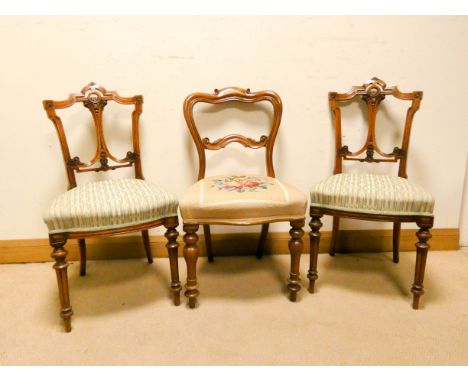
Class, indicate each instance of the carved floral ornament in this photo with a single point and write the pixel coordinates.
(94, 97)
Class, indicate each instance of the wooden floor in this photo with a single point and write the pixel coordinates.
(360, 315)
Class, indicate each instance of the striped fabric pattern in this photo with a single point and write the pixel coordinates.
(109, 204)
(372, 193)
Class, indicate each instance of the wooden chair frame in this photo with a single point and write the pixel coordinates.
(95, 98)
(373, 92)
(191, 250)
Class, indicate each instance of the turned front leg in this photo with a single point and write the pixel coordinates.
(422, 247)
(172, 248)
(296, 245)
(191, 256)
(60, 256)
(315, 225)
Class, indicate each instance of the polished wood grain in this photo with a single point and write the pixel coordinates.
(422, 247)
(372, 92)
(191, 253)
(59, 254)
(82, 245)
(296, 246)
(262, 241)
(146, 243)
(208, 242)
(172, 249)
(95, 98)
(315, 225)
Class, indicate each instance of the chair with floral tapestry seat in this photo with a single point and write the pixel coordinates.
(373, 197)
(106, 207)
(239, 199)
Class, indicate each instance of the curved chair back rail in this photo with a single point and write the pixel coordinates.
(95, 98)
(373, 92)
(231, 94)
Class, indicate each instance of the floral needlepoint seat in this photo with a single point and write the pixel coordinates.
(242, 199)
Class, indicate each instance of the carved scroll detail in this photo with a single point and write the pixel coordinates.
(244, 141)
(344, 151)
(75, 163)
(394, 156)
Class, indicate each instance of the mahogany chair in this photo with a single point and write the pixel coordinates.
(106, 207)
(239, 199)
(372, 196)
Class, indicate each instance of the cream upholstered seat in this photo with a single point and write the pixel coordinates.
(108, 204)
(372, 193)
(241, 199)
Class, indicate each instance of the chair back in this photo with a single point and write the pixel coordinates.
(95, 98)
(373, 92)
(231, 94)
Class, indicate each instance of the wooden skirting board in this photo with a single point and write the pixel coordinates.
(244, 244)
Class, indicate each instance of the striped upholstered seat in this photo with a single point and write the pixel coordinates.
(109, 204)
(372, 193)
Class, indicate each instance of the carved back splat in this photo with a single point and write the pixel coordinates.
(227, 95)
(95, 98)
(373, 92)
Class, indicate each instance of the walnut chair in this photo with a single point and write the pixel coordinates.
(372, 196)
(106, 207)
(239, 199)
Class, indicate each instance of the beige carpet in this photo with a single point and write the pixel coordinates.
(123, 315)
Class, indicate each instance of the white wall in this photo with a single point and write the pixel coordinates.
(166, 58)
(464, 211)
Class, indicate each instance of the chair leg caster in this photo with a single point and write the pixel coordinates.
(293, 296)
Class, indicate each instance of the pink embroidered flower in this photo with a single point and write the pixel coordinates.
(241, 183)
